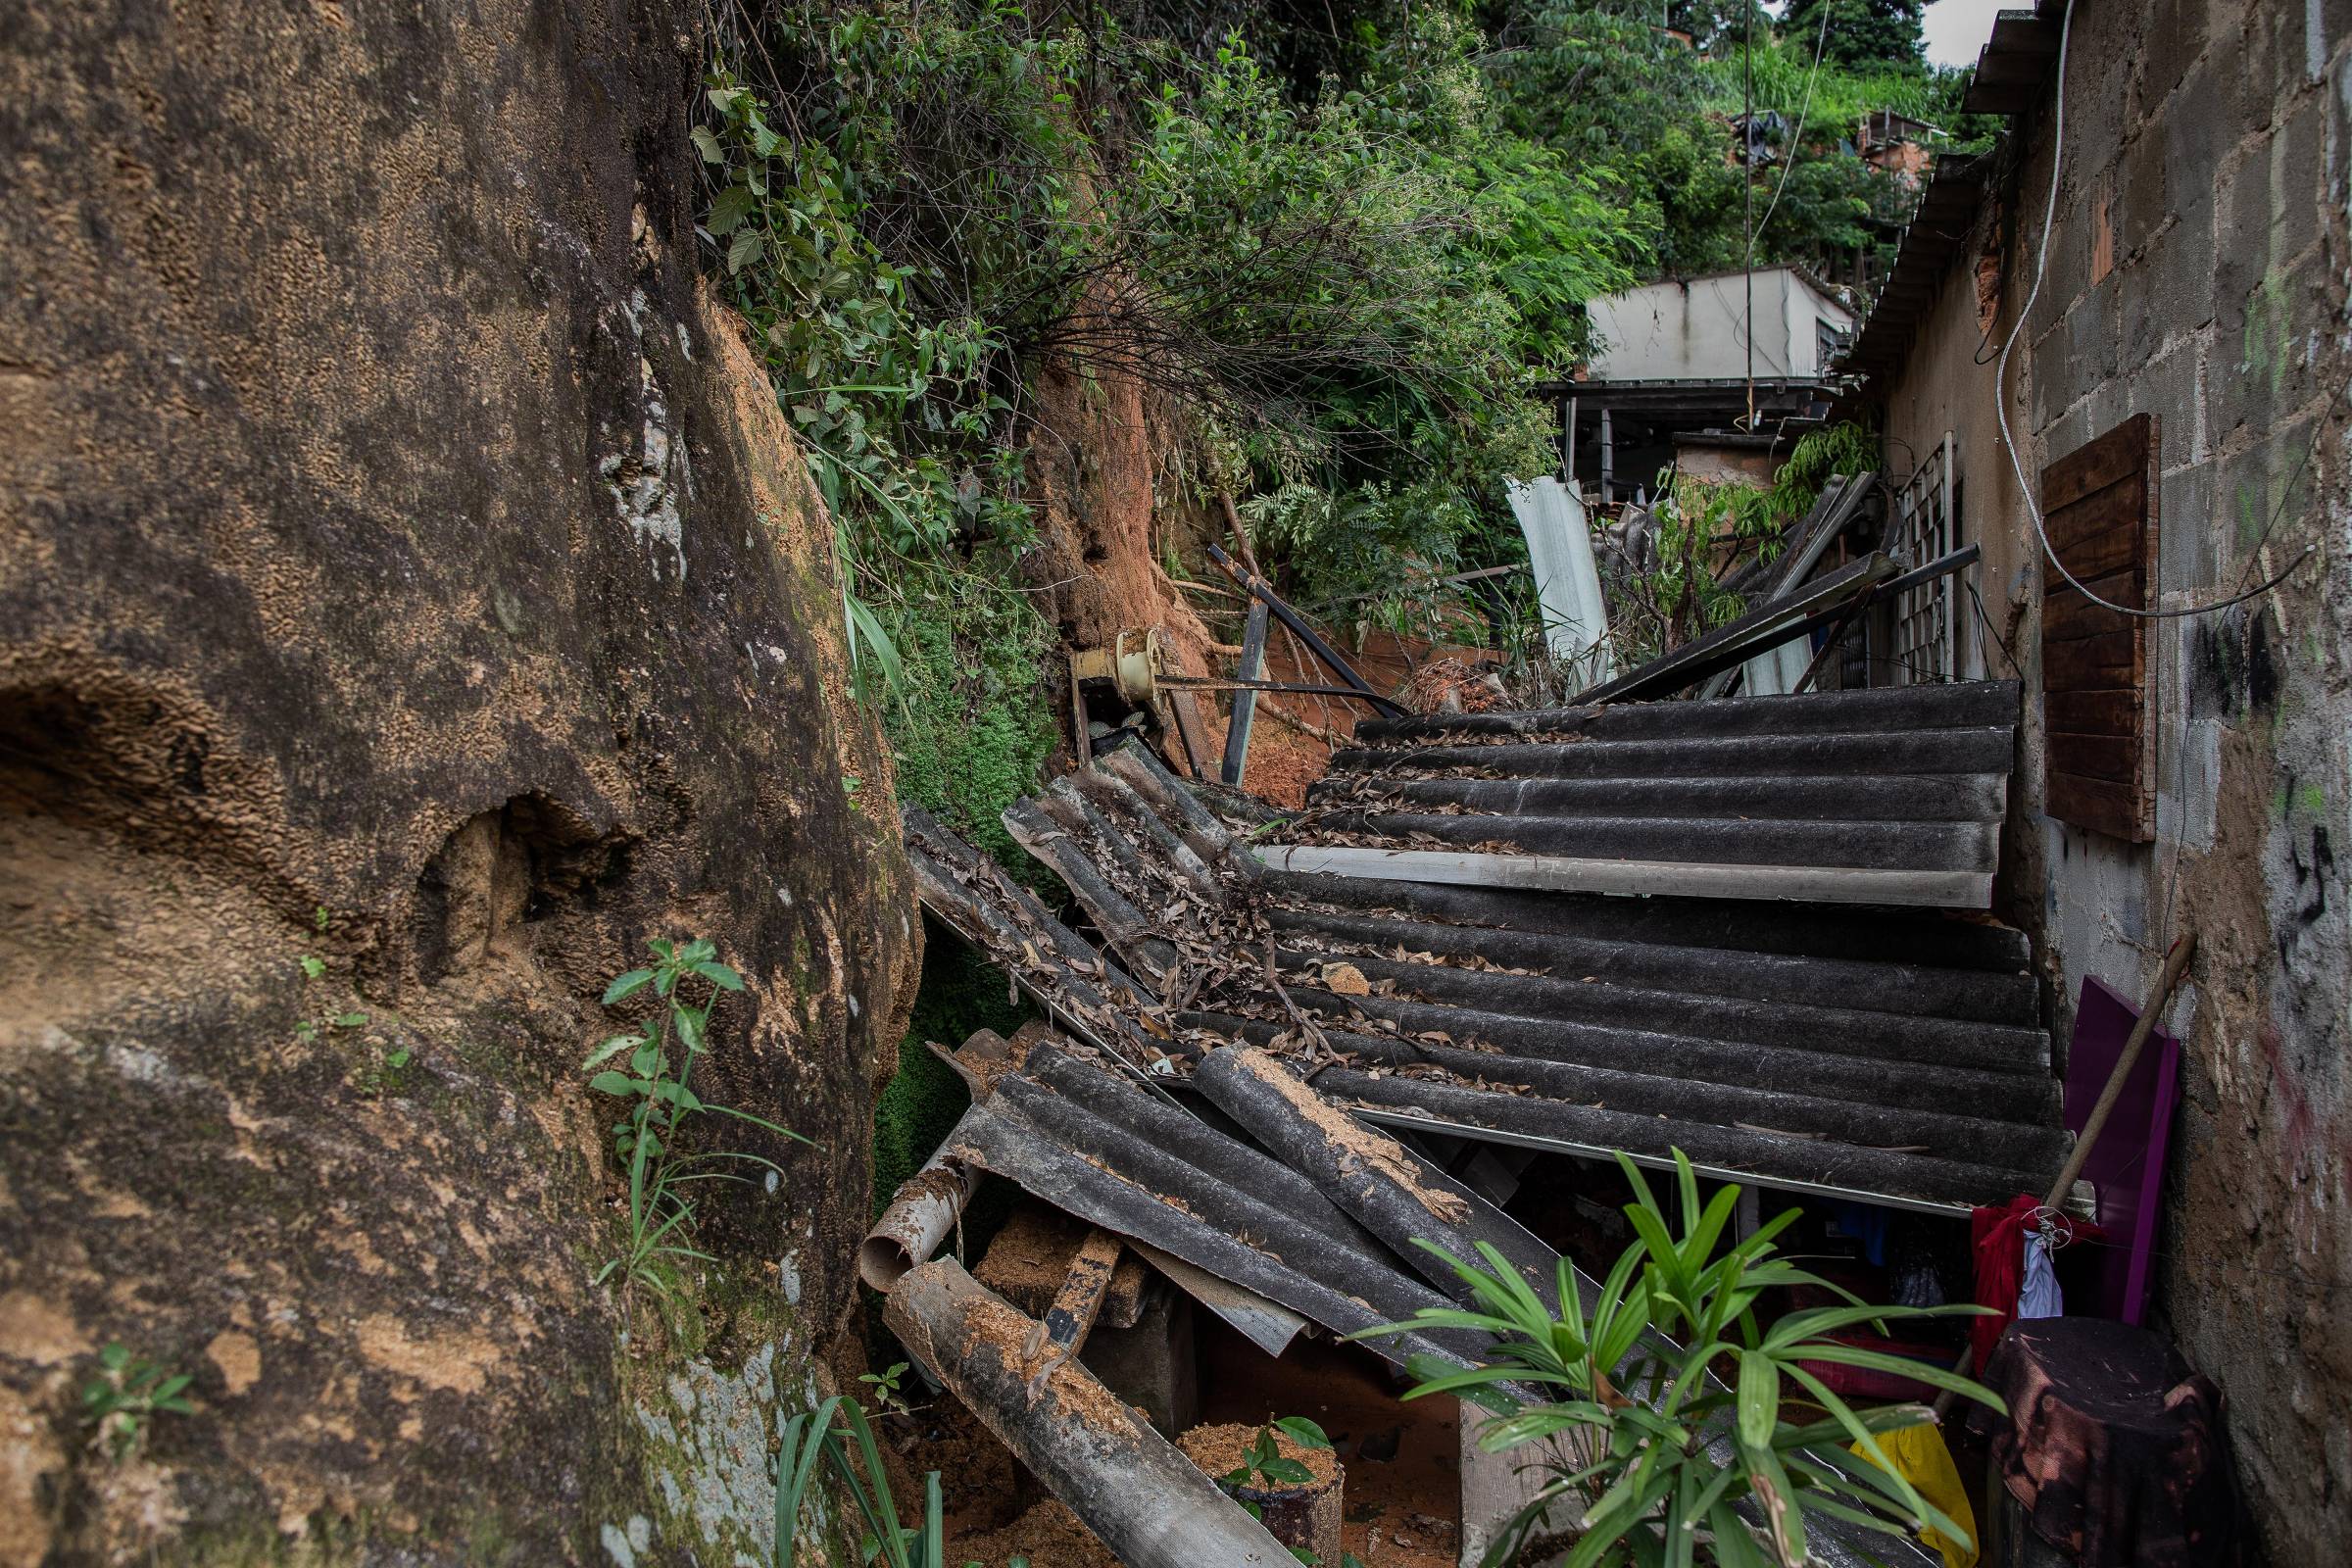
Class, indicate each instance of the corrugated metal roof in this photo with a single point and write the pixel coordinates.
(1321, 1215)
(1887, 796)
(1888, 1054)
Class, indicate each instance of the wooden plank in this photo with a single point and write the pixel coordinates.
(2119, 548)
(2116, 810)
(2100, 504)
(2098, 463)
(1244, 701)
(2112, 758)
(2122, 504)
(1189, 733)
(2109, 661)
(1956, 890)
(2081, 713)
(2066, 614)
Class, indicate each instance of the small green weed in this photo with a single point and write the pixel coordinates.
(128, 1393)
(659, 1060)
(1263, 1465)
(809, 1438)
(386, 1073)
(887, 1393)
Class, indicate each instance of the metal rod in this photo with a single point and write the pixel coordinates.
(1245, 705)
(1257, 586)
(1213, 683)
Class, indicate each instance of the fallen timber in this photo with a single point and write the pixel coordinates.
(1141, 1498)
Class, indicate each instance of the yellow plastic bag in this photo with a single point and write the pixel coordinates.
(1921, 1458)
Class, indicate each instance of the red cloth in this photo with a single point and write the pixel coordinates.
(1997, 1237)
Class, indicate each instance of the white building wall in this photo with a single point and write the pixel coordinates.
(1675, 331)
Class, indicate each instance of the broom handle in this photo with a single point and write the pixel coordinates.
(2176, 961)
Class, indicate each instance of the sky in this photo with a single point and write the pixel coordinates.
(1957, 28)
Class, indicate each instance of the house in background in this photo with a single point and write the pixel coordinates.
(1896, 144)
(2174, 404)
(1675, 363)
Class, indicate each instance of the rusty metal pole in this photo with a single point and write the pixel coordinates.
(1145, 1501)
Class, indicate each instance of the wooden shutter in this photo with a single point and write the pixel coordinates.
(2099, 502)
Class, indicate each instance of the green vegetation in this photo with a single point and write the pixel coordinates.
(1263, 1464)
(1698, 525)
(120, 1402)
(653, 1085)
(959, 991)
(813, 1438)
(1335, 249)
(1336, 252)
(1639, 1469)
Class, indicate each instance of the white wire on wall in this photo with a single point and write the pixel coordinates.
(2001, 384)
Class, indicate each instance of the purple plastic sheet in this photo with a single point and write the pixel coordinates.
(2128, 1166)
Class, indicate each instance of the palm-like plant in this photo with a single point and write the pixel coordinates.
(1667, 1462)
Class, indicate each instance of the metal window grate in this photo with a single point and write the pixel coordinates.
(1926, 643)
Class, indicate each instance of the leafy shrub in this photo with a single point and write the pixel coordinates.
(1624, 1395)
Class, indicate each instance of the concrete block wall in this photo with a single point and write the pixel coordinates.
(2198, 270)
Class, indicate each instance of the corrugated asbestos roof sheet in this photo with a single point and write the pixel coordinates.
(1298, 1203)
(1885, 1055)
(1890, 796)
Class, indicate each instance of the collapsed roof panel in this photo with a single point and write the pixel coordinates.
(1067, 1129)
(1321, 1220)
(1895, 1056)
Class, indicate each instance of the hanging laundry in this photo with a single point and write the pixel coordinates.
(2039, 1295)
(1996, 1237)
(2013, 1244)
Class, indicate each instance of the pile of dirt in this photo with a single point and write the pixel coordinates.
(1049, 1535)
(1031, 1257)
(1219, 1450)
(1403, 1499)
(1450, 686)
(982, 1484)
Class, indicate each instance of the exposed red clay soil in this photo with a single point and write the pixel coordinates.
(1403, 1511)
(1285, 757)
(1218, 1449)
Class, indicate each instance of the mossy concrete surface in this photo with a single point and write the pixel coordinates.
(403, 566)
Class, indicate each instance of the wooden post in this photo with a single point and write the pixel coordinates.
(2175, 963)
(1568, 443)
(1244, 701)
(1188, 731)
(1257, 586)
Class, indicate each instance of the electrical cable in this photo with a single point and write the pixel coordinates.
(2000, 381)
(1820, 40)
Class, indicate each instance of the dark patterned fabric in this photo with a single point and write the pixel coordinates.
(2113, 1444)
